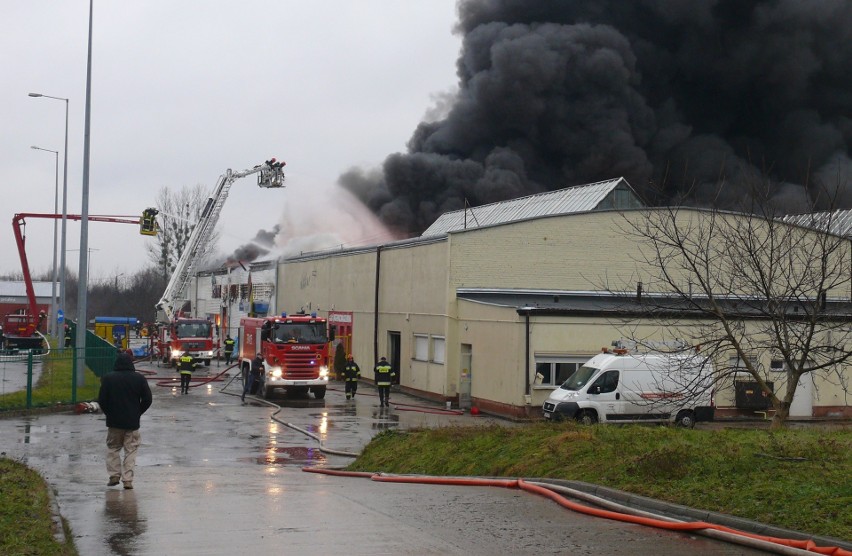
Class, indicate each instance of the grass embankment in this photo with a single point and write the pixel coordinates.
(26, 526)
(797, 479)
(25, 515)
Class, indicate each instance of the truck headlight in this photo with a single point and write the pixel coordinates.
(323, 371)
(275, 372)
(176, 353)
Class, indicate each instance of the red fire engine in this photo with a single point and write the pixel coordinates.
(186, 335)
(295, 351)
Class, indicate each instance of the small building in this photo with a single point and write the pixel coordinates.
(13, 297)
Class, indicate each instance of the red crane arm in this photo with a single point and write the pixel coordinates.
(18, 222)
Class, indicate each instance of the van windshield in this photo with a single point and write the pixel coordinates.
(580, 378)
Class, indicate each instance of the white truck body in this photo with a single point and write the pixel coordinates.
(617, 387)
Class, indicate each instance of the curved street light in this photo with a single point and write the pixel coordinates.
(52, 325)
(64, 205)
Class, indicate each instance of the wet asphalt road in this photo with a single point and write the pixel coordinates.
(216, 477)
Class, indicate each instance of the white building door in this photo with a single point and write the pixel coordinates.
(803, 401)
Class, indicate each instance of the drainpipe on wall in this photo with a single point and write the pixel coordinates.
(526, 312)
(376, 306)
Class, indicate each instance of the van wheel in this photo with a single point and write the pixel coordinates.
(587, 417)
(685, 419)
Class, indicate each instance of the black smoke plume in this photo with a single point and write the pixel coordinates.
(698, 100)
(262, 244)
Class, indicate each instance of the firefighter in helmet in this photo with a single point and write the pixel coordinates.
(186, 365)
(384, 374)
(229, 349)
(351, 374)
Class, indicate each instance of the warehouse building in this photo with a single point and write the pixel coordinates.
(495, 306)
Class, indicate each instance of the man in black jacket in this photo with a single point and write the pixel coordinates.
(124, 396)
(255, 375)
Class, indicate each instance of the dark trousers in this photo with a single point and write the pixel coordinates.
(249, 383)
(228, 355)
(185, 379)
(351, 387)
(384, 395)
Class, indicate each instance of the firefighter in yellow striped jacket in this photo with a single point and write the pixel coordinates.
(351, 374)
(384, 375)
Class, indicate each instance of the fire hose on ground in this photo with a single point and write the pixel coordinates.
(609, 510)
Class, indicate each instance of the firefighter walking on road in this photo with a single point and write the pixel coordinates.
(384, 375)
(229, 349)
(186, 364)
(351, 374)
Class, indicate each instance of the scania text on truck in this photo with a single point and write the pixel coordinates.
(186, 335)
(295, 350)
(619, 387)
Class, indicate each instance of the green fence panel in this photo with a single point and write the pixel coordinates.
(100, 354)
(47, 379)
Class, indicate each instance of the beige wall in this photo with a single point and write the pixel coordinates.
(547, 253)
(413, 284)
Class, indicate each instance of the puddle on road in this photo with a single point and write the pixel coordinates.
(296, 455)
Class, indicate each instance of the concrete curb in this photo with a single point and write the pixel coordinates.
(60, 535)
(686, 513)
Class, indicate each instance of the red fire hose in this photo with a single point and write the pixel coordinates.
(774, 544)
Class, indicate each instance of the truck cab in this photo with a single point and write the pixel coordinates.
(295, 350)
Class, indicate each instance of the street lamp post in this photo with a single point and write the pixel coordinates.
(51, 321)
(64, 208)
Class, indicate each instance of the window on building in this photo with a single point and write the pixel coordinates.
(421, 347)
(737, 364)
(556, 370)
(438, 349)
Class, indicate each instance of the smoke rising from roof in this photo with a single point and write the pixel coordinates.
(316, 216)
(675, 96)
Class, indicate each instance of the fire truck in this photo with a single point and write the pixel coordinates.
(179, 332)
(295, 350)
(186, 335)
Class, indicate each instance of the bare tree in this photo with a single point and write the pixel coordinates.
(748, 286)
(179, 212)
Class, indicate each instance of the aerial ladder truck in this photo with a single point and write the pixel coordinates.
(179, 333)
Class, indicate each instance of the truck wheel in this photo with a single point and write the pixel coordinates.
(244, 372)
(587, 417)
(685, 419)
(206, 362)
(319, 392)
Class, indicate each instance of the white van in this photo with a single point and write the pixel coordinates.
(617, 387)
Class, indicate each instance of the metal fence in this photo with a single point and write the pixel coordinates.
(38, 380)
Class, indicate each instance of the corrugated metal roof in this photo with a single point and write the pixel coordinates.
(19, 289)
(837, 222)
(581, 198)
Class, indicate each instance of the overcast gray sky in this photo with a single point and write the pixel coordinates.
(182, 91)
